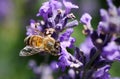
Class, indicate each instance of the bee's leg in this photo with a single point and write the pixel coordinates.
(57, 46)
(47, 50)
(56, 50)
(55, 53)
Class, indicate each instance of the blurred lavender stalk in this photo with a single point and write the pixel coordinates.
(42, 72)
(10, 14)
(89, 6)
(6, 9)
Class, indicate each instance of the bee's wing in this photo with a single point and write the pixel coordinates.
(28, 51)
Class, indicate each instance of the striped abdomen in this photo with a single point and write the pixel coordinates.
(34, 40)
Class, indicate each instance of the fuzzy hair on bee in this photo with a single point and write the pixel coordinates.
(37, 44)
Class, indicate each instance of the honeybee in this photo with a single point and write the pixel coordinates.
(41, 43)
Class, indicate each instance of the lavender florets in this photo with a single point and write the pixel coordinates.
(94, 57)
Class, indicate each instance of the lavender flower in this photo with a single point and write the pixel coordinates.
(66, 59)
(86, 46)
(60, 20)
(33, 28)
(110, 19)
(103, 49)
(86, 20)
(69, 6)
(54, 66)
(42, 72)
(55, 17)
(111, 51)
(6, 8)
(48, 8)
(71, 73)
(93, 59)
(102, 73)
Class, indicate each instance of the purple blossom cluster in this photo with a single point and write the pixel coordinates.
(57, 15)
(102, 46)
(93, 58)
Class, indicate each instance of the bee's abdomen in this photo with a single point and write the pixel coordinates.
(34, 41)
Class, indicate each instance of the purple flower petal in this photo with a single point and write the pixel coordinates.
(54, 66)
(31, 30)
(86, 19)
(72, 24)
(48, 8)
(55, 4)
(86, 47)
(66, 35)
(67, 60)
(103, 26)
(119, 11)
(112, 8)
(102, 73)
(71, 73)
(69, 6)
(104, 15)
(32, 64)
(111, 52)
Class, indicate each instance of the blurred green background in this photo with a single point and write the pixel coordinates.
(15, 16)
